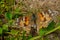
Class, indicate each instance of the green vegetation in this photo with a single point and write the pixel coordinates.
(9, 12)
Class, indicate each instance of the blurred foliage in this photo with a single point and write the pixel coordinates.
(1, 31)
(12, 10)
(14, 32)
(45, 30)
(8, 15)
(5, 27)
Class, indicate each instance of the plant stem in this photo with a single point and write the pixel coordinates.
(52, 30)
(46, 33)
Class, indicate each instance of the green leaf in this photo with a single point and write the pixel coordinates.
(11, 22)
(8, 15)
(12, 38)
(24, 37)
(2, 5)
(42, 31)
(30, 36)
(51, 26)
(45, 30)
(1, 30)
(5, 27)
(58, 24)
(17, 11)
(18, 37)
(17, 15)
(14, 32)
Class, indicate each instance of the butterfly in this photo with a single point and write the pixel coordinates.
(43, 20)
